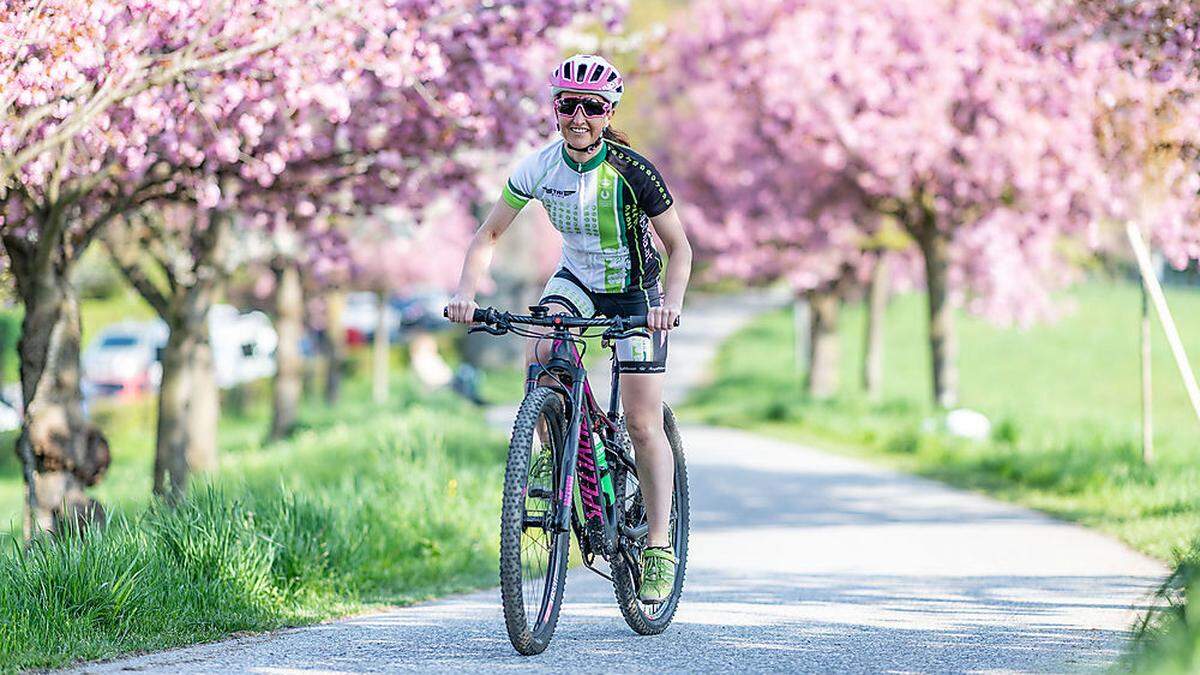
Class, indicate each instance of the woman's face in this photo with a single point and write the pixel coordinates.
(577, 129)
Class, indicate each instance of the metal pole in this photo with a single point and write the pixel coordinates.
(1147, 390)
(1164, 315)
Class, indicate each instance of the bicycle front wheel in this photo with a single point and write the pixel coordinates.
(533, 557)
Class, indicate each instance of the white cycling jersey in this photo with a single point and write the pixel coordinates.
(602, 208)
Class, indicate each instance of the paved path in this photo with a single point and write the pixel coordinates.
(800, 561)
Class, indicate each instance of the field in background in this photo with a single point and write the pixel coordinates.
(1064, 400)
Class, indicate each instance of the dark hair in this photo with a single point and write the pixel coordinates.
(617, 136)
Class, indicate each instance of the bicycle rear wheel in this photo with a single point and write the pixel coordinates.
(644, 618)
(533, 558)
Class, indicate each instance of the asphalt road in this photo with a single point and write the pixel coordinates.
(800, 561)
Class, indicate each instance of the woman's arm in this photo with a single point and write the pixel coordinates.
(679, 269)
(479, 256)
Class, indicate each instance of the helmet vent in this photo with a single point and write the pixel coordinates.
(596, 73)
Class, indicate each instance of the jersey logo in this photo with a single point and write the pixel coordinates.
(559, 193)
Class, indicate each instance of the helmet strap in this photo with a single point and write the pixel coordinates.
(589, 148)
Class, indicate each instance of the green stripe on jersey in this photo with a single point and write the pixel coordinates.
(608, 184)
(512, 198)
(623, 229)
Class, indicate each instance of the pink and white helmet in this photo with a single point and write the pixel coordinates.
(588, 74)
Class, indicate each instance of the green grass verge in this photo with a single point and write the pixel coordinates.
(365, 505)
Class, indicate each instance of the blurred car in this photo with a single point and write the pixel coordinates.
(422, 310)
(123, 360)
(361, 317)
(10, 417)
(243, 345)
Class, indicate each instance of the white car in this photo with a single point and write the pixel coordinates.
(243, 345)
(123, 360)
(10, 418)
(361, 317)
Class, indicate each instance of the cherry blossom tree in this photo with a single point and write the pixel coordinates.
(284, 112)
(79, 89)
(1150, 138)
(935, 114)
(758, 209)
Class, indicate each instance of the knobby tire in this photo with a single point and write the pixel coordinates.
(531, 637)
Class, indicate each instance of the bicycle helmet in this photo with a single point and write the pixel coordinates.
(588, 74)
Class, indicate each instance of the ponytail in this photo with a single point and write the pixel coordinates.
(616, 136)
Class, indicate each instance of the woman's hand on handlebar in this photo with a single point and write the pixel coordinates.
(461, 309)
(663, 318)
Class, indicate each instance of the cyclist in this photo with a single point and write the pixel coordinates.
(604, 198)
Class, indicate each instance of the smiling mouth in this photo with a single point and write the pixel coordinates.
(578, 130)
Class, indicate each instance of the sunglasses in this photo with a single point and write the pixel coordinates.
(591, 107)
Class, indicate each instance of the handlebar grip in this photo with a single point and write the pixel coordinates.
(479, 316)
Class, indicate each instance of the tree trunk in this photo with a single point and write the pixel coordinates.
(801, 333)
(381, 352)
(334, 345)
(188, 400)
(174, 431)
(877, 299)
(823, 343)
(943, 342)
(289, 364)
(61, 452)
(188, 405)
(206, 407)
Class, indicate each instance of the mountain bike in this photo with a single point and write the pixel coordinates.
(571, 469)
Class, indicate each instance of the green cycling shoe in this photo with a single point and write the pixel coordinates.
(541, 478)
(658, 575)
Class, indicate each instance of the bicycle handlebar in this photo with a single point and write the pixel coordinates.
(491, 317)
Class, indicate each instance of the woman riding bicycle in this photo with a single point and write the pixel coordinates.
(604, 197)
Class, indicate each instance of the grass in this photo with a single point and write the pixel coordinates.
(1064, 399)
(364, 505)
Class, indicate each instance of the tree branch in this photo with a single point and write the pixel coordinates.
(123, 250)
(160, 71)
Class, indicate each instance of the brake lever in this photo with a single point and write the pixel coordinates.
(484, 328)
(629, 332)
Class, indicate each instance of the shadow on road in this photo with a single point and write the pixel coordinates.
(805, 623)
(738, 497)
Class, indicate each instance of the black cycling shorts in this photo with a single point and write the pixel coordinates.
(635, 354)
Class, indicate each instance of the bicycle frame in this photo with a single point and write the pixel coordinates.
(580, 462)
